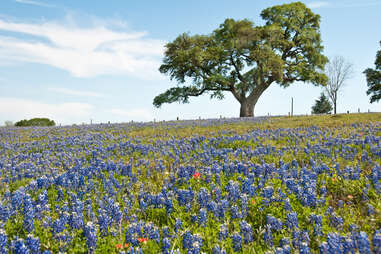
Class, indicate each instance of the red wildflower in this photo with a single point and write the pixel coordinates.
(196, 175)
(119, 246)
(142, 240)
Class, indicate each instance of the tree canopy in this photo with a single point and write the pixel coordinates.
(322, 105)
(35, 122)
(373, 78)
(245, 59)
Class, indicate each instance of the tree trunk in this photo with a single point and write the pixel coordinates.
(334, 102)
(247, 109)
(248, 104)
(334, 107)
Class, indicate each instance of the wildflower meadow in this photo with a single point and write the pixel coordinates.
(249, 185)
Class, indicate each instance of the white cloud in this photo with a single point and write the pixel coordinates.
(16, 109)
(72, 92)
(140, 114)
(84, 52)
(315, 5)
(31, 2)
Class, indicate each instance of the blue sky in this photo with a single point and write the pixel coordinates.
(73, 61)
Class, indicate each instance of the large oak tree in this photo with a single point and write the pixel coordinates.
(245, 59)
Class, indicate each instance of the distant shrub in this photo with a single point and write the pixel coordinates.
(35, 122)
(322, 105)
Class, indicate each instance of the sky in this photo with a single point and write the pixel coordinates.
(97, 61)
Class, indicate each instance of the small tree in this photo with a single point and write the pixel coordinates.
(337, 71)
(373, 78)
(8, 123)
(322, 105)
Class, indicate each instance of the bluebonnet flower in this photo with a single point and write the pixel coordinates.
(104, 222)
(134, 250)
(237, 242)
(203, 217)
(292, 220)
(216, 249)
(348, 246)
(244, 205)
(3, 241)
(43, 198)
(16, 199)
(268, 236)
(335, 244)
(4, 212)
(318, 230)
(274, 223)
(246, 231)
(296, 239)
(59, 224)
(142, 204)
(279, 250)
(221, 208)
(287, 205)
(28, 213)
(130, 235)
(304, 249)
(233, 190)
(376, 242)
(204, 197)
(317, 219)
(323, 248)
(353, 228)
(304, 236)
(166, 233)
(76, 221)
(340, 203)
(234, 212)
(283, 242)
(19, 247)
(223, 233)
(196, 248)
(91, 237)
(337, 221)
(286, 249)
(323, 191)
(370, 209)
(33, 244)
(178, 225)
(155, 234)
(268, 192)
(363, 243)
(194, 218)
(365, 193)
(166, 246)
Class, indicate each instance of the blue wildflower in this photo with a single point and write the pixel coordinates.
(237, 242)
(91, 237)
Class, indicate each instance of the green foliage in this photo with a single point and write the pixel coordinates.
(373, 78)
(322, 105)
(245, 59)
(35, 122)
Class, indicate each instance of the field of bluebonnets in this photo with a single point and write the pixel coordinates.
(277, 185)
